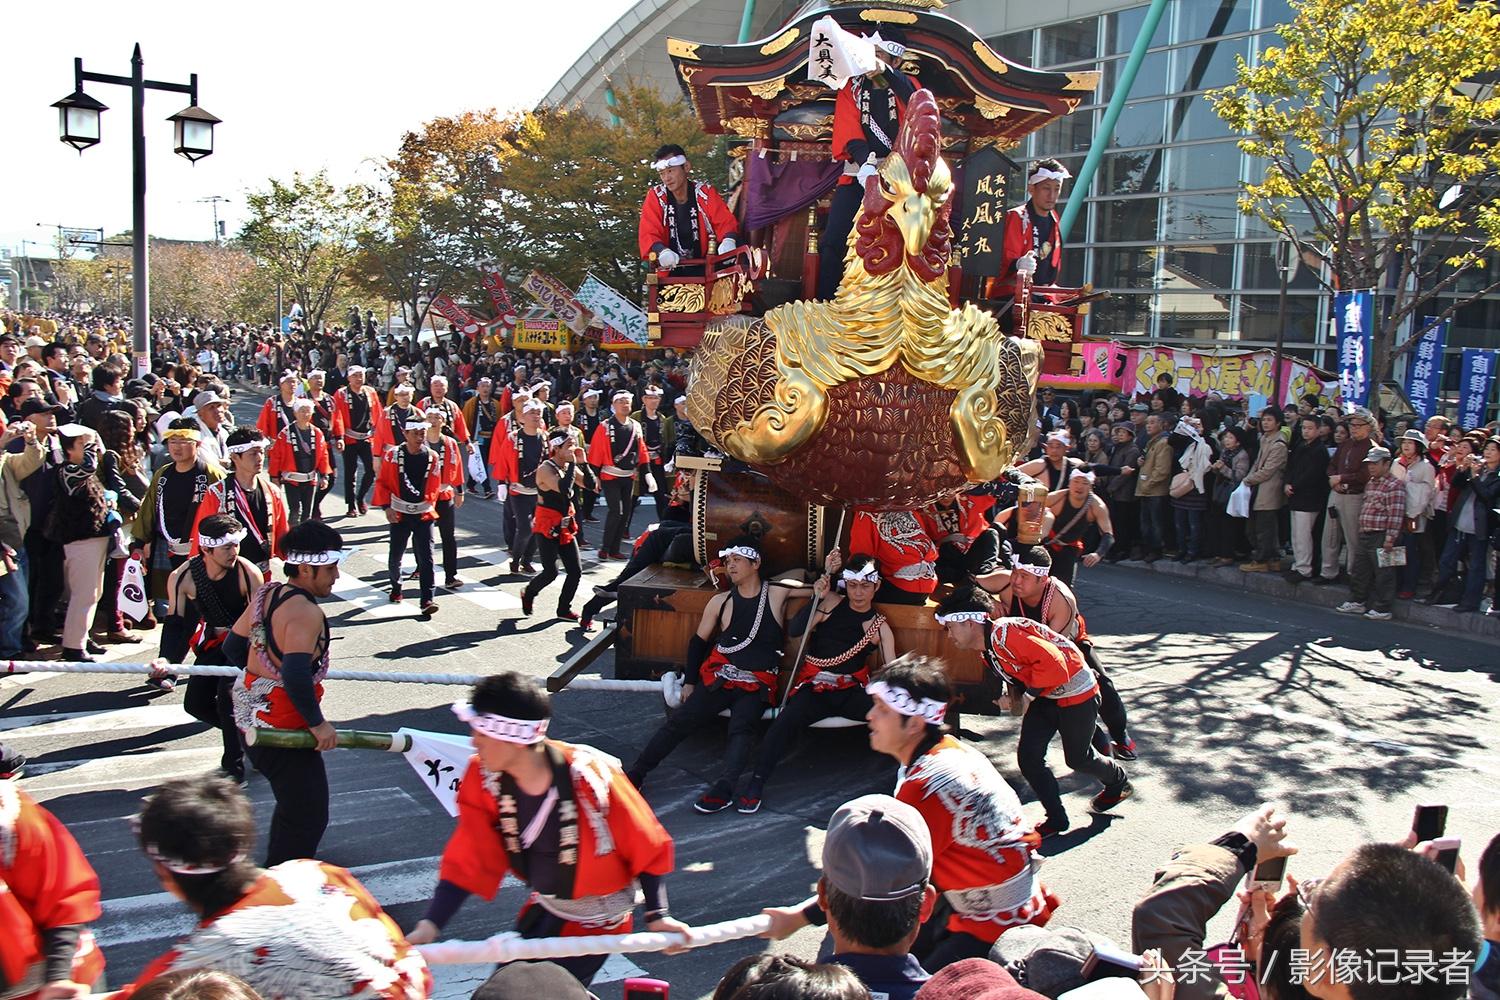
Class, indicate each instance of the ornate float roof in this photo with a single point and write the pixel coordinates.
(760, 90)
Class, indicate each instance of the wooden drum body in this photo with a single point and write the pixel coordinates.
(790, 532)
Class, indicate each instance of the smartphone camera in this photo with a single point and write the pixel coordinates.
(1268, 875)
(1447, 853)
(1429, 822)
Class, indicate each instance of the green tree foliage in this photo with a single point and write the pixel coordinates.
(1369, 116)
(304, 232)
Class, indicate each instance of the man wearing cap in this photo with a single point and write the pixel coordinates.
(1347, 474)
(1382, 516)
(1036, 660)
(1074, 510)
(299, 463)
(359, 413)
(683, 219)
(982, 861)
(482, 415)
(211, 412)
(328, 420)
(560, 817)
(876, 891)
(281, 642)
(276, 412)
(44, 556)
(618, 453)
(1033, 233)
(661, 441)
(205, 597)
(849, 639)
(450, 494)
(514, 461)
(164, 524)
(390, 429)
(867, 116)
(249, 496)
(738, 672)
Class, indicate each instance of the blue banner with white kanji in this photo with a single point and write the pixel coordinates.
(1424, 369)
(1474, 384)
(1354, 318)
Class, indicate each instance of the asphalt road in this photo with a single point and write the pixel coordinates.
(1234, 700)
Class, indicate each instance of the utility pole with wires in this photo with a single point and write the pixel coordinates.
(218, 227)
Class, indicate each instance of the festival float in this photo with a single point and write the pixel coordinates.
(901, 390)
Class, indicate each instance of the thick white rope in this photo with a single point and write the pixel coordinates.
(511, 947)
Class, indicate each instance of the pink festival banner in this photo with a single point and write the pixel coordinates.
(1239, 375)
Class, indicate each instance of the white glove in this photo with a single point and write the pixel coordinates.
(650, 483)
(501, 492)
(727, 244)
(1026, 263)
(667, 259)
(866, 170)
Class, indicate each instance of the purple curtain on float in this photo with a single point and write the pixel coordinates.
(775, 188)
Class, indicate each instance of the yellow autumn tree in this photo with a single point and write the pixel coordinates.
(1377, 121)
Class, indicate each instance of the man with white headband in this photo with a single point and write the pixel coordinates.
(982, 861)
(454, 424)
(1075, 509)
(738, 672)
(1033, 233)
(554, 523)
(514, 461)
(276, 412)
(326, 418)
(281, 642)
(661, 441)
(407, 489)
(683, 219)
(1030, 590)
(164, 523)
(303, 928)
(560, 817)
(390, 430)
(1055, 464)
(299, 463)
(867, 116)
(205, 596)
(618, 454)
(849, 637)
(1064, 698)
(360, 412)
(250, 496)
(588, 415)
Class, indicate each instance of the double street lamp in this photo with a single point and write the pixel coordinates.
(193, 139)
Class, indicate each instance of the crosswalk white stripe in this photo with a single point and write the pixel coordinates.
(73, 723)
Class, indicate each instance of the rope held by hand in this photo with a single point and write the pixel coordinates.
(511, 947)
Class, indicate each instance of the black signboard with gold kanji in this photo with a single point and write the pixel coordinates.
(979, 225)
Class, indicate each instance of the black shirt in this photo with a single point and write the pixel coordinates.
(1043, 239)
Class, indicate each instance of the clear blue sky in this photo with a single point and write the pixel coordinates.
(300, 86)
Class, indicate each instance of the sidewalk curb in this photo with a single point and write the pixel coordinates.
(1485, 628)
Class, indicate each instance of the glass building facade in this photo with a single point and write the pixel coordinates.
(1160, 228)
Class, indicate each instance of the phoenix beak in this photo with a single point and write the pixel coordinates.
(914, 217)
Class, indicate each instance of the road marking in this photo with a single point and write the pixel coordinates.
(73, 723)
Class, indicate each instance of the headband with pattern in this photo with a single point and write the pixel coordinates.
(1045, 174)
(954, 617)
(525, 732)
(416, 425)
(740, 550)
(325, 557)
(211, 542)
(1034, 570)
(236, 449)
(870, 574)
(182, 433)
(901, 701)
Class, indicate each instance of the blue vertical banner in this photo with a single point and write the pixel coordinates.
(1354, 316)
(1424, 369)
(1474, 384)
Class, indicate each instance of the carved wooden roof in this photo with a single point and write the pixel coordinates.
(760, 90)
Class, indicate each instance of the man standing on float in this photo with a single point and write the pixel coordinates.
(1033, 233)
(683, 219)
(866, 117)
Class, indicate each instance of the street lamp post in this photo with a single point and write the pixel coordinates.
(1286, 262)
(193, 137)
